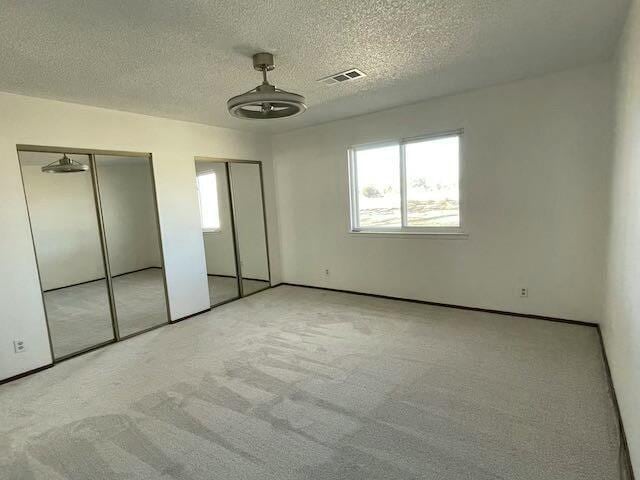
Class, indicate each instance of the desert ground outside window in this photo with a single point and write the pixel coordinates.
(409, 186)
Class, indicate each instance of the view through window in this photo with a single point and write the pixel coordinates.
(407, 186)
(208, 198)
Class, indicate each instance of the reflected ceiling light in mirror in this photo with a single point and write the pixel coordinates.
(65, 165)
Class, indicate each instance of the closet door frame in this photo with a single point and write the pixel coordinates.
(91, 153)
(233, 214)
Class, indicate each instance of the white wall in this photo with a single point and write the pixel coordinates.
(64, 225)
(621, 330)
(536, 170)
(174, 144)
(129, 212)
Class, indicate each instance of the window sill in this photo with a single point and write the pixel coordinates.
(431, 235)
(212, 231)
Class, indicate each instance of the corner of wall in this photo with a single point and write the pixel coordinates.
(621, 326)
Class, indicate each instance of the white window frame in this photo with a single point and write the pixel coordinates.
(354, 212)
(209, 230)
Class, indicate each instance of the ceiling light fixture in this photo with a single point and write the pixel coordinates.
(266, 101)
(65, 165)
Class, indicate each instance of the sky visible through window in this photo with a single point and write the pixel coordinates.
(208, 197)
(379, 186)
(432, 174)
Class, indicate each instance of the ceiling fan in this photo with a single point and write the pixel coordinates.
(266, 101)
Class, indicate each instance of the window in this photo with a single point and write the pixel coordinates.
(409, 186)
(208, 198)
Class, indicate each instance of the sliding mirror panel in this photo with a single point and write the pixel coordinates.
(217, 231)
(246, 187)
(64, 223)
(127, 196)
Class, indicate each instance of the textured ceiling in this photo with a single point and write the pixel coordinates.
(183, 59)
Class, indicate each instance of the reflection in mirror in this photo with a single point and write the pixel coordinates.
(217, 231)
(128, 203)
(246, 185)
(66, 237)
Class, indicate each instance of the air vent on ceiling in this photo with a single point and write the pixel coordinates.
(342, 77)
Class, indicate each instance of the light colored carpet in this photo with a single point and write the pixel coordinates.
(222, 288)
(79, 316)
(140, 300)
(250, 286)
(295, 383)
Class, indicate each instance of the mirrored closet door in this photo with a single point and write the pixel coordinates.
(66, 237)
(96, 238)
(217, 231)
(233, 227)
(133, 242)
(246, 185)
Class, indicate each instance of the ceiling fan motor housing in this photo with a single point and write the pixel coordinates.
(263, 61)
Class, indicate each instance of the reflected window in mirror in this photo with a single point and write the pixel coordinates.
(208, 198)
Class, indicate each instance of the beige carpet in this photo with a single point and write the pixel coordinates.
(222, 288)
(79, 316)
(295, 383)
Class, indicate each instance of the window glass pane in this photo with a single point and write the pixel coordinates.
(378, 177)
(433, 198)
(208, 196)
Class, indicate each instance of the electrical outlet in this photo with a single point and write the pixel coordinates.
(524, 292)
(326, 272)
(19, 346)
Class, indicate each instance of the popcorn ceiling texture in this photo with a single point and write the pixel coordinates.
(184, 59)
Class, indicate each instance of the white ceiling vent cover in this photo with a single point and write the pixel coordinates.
(346, 76)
